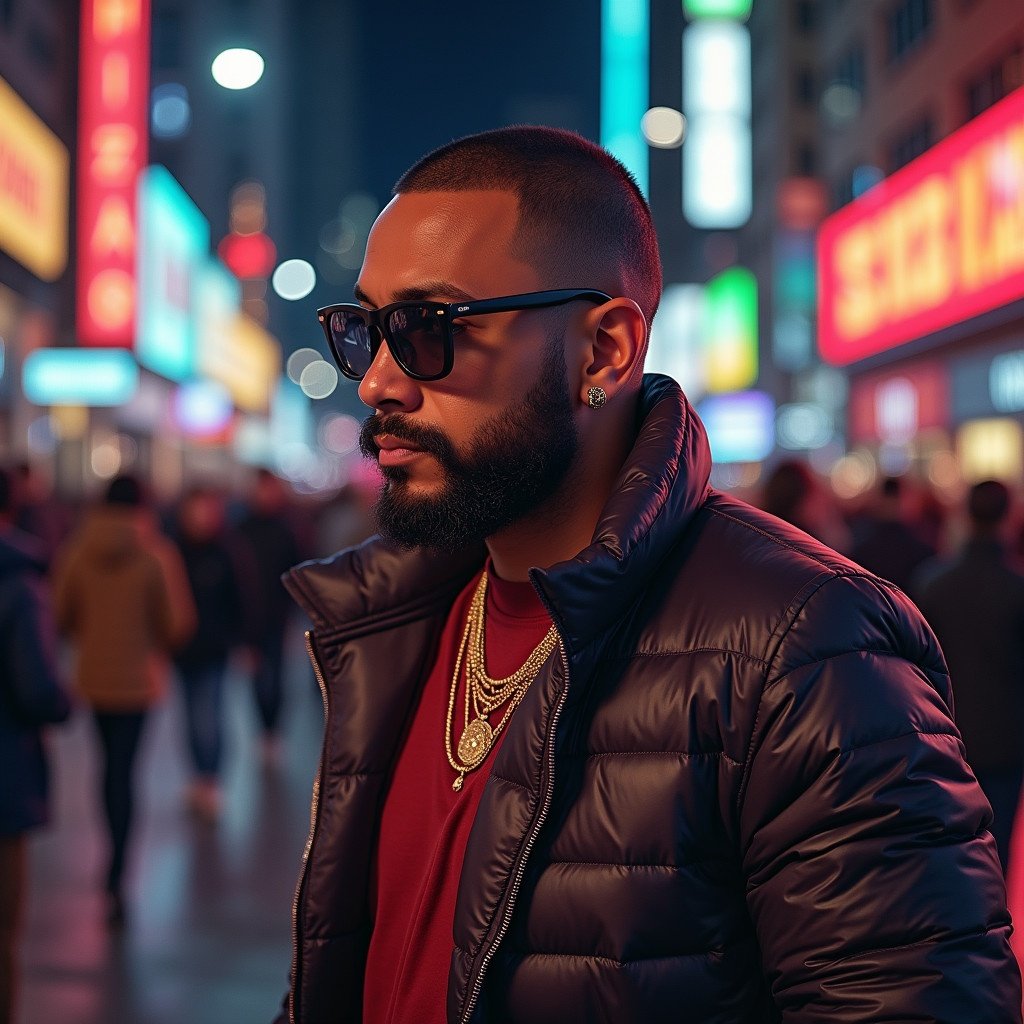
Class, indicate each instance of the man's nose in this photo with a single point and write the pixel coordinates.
(385, 385)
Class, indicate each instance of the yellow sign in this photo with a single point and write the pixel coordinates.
(246, 359)
(34, 179)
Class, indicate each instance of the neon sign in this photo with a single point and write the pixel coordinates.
(112, 133)
(940, 241)
(33, 189)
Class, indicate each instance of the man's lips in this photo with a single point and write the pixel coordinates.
(395, 450)
(391, 443)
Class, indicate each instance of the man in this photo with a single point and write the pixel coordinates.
(32, 696)
(603, 744)
(975, 604)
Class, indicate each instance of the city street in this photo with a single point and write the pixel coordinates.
(208, 933)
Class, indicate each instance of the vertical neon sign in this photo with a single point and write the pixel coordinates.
(112, 132)
(625, 89)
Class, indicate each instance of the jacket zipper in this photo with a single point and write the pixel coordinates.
(314, 808)
(538, 824)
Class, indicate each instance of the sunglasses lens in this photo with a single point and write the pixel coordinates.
(352, 343)
(418, 339)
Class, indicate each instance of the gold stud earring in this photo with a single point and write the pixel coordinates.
(596, 397)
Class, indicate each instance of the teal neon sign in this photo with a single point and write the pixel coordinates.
(625, 73)
(79, 376)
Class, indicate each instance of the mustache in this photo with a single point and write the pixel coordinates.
(427, 439)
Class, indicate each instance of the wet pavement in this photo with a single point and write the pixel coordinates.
(208, 935)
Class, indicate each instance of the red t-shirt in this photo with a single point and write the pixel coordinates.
(426, 824)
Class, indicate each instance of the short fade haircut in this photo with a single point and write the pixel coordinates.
(581, 212)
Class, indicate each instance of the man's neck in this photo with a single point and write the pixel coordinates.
(564, 525)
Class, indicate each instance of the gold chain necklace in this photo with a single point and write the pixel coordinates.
(485, 694)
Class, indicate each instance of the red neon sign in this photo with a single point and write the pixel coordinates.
(940, 241)
(113, 132)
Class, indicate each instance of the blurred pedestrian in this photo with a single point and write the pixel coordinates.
(271, 540)
(975, 604)
(123, 598)
(36, 510)
(889, 546)
(31, 696)
(223, 592)
(794, 493)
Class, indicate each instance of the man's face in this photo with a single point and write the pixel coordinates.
(468, 455)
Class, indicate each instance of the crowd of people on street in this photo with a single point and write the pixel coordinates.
(964, 568)
(102, 611)
(145, 597)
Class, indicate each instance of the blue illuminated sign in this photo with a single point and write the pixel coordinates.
(79, 376)
(173, 240)
(740, 426)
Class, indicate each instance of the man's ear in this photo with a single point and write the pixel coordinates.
(615, 350)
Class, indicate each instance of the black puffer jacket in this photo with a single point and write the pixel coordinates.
(735, 794)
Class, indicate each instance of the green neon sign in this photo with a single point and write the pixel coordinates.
(718, 8)
(730, 330)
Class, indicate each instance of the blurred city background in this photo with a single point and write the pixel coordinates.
(838, 187)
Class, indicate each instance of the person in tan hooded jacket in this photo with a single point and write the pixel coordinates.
(122, 598)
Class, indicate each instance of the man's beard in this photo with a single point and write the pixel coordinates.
(516, 462)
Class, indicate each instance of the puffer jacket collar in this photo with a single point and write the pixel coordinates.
(662, 484)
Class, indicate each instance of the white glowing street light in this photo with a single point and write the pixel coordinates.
(237, 68)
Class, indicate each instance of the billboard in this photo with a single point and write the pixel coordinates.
(939, 242)
(173, 239)
(34, 181)
(112, 134)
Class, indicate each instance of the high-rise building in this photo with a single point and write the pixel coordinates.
(921, 274)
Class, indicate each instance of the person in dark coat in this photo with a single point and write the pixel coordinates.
(222, 587)
(887, 544)
(273, 546)
(32, 695)
(975, 604)
(603, 744)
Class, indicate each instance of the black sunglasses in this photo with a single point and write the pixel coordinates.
(420, 334)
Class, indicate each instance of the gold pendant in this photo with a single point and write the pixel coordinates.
(475, 743)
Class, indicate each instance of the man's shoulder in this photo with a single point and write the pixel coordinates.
(748, 582)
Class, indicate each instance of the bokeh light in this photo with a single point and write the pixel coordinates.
(853, 474)
(294, 279)
(298, 361)
(237, 68)
(339, 433)
(319, 379)
(170, 112)
(663, 127)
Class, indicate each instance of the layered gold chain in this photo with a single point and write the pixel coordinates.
(484, 693)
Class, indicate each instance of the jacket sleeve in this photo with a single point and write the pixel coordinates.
(34, 682)
(872, 881)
